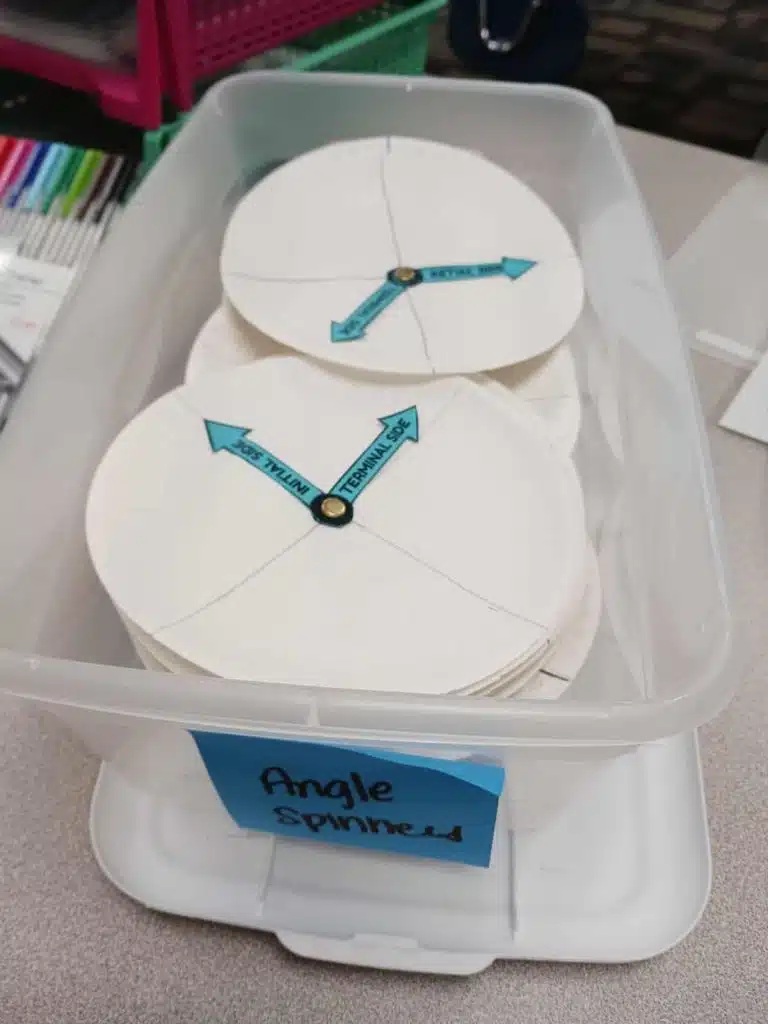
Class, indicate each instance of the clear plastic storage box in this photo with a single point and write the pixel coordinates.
(662, 662)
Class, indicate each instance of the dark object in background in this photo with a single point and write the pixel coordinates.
(97, 31)
(519, 40)
(84, 11)
(35, 109)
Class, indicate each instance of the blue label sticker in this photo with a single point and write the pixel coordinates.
(373, 799)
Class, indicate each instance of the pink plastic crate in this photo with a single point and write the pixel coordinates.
(134, 96)
(205, 37)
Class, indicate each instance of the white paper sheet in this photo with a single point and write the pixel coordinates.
(31, 294)
(748, 412)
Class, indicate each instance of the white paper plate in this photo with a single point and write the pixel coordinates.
(550, 385)
(550, 672)
(509, 680)
(548, 382)
(147, 658)
(226, 341)
(570, 651)
(157, 658)
(465, 554)
(317, 237)
(563, 659)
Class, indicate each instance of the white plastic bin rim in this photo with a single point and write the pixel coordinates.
(138, 264)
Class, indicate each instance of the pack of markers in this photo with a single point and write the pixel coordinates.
(56, 203)
(58, 200)
(365, 480)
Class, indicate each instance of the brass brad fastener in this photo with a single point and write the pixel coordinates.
(405, 275)
(333, 507)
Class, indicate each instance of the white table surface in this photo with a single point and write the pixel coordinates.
(72, 949)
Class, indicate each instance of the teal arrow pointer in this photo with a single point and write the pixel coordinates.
(223, 437)
(354, 326)
(398, 428)
(506, 267)
(402, 278)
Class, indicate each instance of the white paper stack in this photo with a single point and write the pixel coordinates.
(366, 481)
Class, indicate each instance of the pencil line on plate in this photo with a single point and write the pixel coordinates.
(301, 280)
(422, 331)
(388, 204)
(399, 252)
(544, 398)
(251, 575)
(445, 576)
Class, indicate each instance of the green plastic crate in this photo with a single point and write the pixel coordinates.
(391, 39)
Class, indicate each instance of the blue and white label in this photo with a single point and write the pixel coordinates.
(373, 799)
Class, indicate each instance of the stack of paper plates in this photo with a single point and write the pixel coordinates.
(365, 481)
(547, 382)
(280, 524)
(568, 653)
